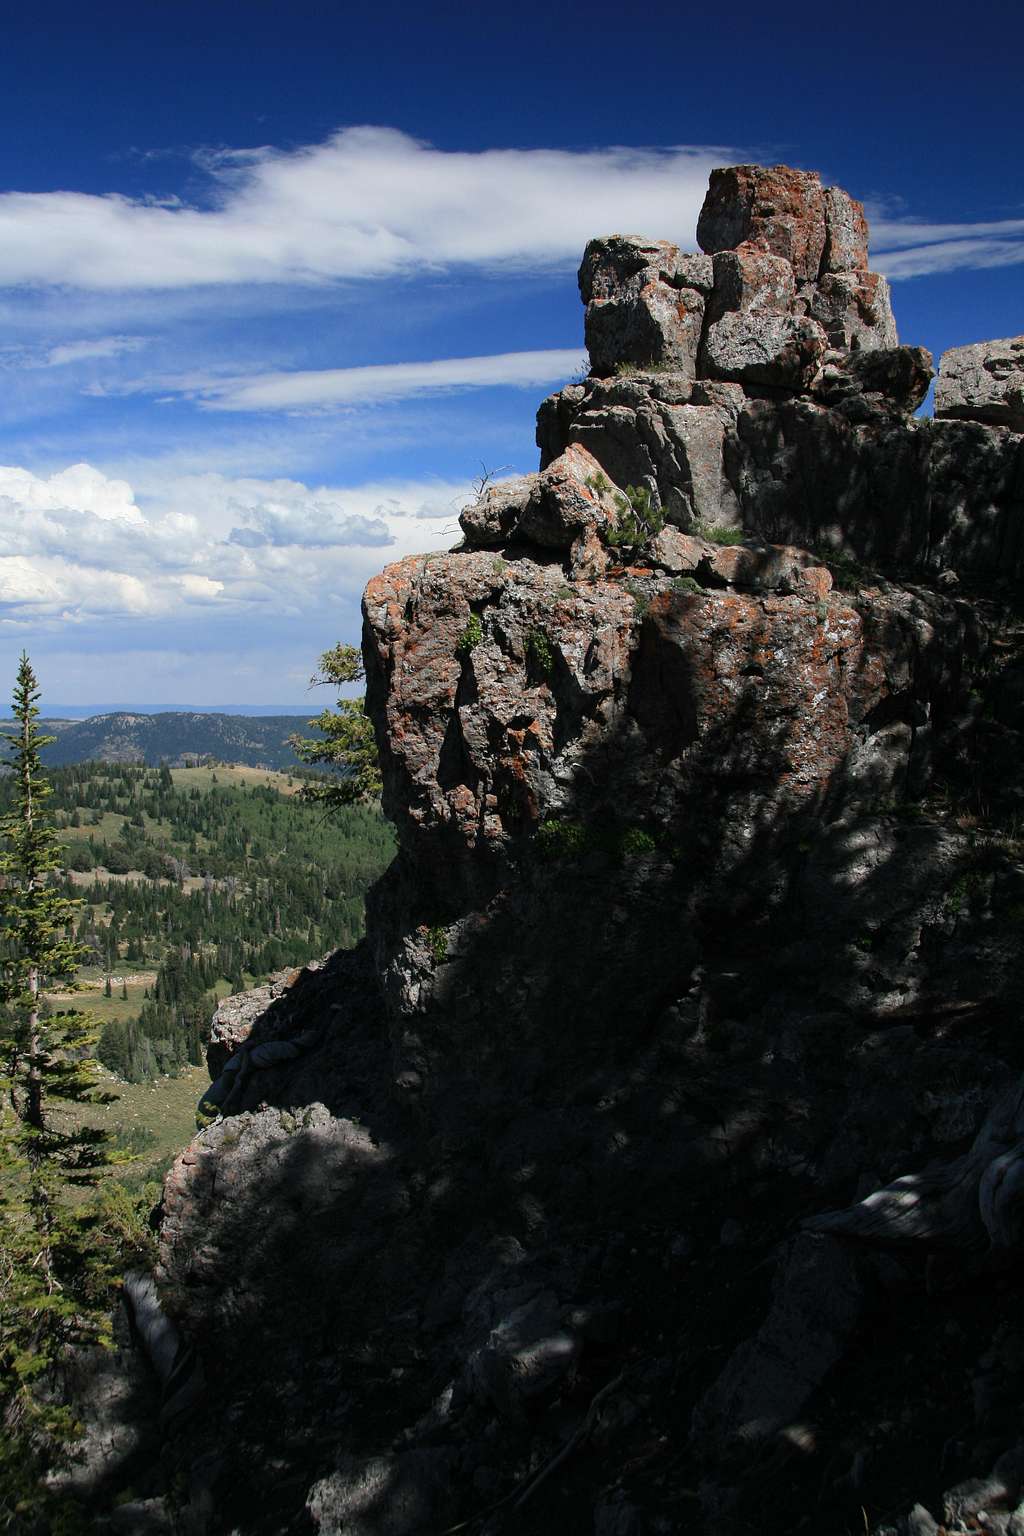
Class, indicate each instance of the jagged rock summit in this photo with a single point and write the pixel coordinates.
(784, 281)
(704, 752)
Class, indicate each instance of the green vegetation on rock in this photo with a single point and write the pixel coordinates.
(471, 636)
(638, 521)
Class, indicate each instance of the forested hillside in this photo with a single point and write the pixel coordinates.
(174, 737)
(197, 883)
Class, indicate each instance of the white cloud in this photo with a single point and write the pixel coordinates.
(949, 256)
(96, 347)
(369, 202)
(892, 234)
(321, 389)
(372, 202)
(78, 545)
(911, 248)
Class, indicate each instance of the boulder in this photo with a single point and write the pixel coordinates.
(232, 1023)
(572, 497)
(1000, 1491)
(645, 303)
(983, 382)
(528, 1355)
(554, 509)
(678, 553)
(764, 348)
(771, 208)
(690, 465)
(818, 1300)
(493, 518)
(765, 568)
(653, 428)
(752, 279)
(400, 1494)
(854, 309)
(898, 376)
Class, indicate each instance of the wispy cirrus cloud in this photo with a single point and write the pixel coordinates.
(903, 248)
(91, 348)
(311, 390)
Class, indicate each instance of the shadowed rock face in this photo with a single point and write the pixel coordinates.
(615, 705)
(701, 925)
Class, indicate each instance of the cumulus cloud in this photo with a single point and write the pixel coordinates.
(79, 545)
(369, 202)
(313, 526)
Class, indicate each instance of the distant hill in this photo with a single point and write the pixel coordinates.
(137, 707)
(174, 737)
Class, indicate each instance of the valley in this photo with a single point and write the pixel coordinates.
(195, 883)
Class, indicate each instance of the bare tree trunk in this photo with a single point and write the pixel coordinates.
(34, 1105)
(974, 1202)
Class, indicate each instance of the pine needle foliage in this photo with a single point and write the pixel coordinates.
(45, 1062)
(637, 522)
(347, 745)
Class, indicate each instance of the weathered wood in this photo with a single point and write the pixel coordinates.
(974, 1202)
(173, 1359)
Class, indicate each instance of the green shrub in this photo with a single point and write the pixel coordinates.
(688, 584)
(539, 652)
(637, 521)
(557, 840)
(641, 598)
(437, 938)
(636, 841)
(716, 535)
(847, 572)
(471, 636)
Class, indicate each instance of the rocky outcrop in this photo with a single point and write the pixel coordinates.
(787, 282)
(983, 382)
(703, 750)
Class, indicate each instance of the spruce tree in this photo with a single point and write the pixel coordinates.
(346, 745)
(44, 1060)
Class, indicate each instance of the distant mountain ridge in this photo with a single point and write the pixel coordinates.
(173, 737)
(136, 707)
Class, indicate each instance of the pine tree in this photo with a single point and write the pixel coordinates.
(347, 743)
(44, 1057)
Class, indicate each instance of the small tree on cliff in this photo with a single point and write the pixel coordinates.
(347, 744)
(44, 1057)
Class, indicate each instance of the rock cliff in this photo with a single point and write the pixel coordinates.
(704, 749)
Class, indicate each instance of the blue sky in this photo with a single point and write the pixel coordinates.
(276, 279)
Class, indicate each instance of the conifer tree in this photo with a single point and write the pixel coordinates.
(347, 743)
(44, 1058)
